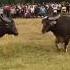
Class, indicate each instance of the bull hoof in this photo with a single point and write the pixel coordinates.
(65, 50)
(58, 48)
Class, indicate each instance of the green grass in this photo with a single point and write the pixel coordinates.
(31, 50)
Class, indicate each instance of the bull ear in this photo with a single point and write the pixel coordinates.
(53, 22)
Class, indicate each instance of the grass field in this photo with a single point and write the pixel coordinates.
(31, 50)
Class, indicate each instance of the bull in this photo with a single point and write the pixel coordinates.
(60, 26)
(7, 26)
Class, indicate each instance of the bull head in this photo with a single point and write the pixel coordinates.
(7, 26)
(49, 22)
(11, 28)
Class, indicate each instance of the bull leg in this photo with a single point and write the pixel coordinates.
(65, 47)
(57, 44)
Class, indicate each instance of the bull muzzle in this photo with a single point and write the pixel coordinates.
(43, 31)
(15, 31)
(16, 34)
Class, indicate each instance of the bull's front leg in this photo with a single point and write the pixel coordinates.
(65, 48)
(59, 43)
(66, 45)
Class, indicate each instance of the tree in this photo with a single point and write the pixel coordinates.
(29, 1)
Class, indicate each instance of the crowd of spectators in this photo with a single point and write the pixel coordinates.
(34, 10)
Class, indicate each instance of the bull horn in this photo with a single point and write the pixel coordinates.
(46, 17)
(5, 19)
(54, 18)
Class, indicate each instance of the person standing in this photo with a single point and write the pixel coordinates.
(67, 7)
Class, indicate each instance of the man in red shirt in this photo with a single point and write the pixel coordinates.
(6, 10)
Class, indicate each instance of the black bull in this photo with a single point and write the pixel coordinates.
(60, 26)
(7, 26)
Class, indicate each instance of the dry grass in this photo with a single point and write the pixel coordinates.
(31, 50)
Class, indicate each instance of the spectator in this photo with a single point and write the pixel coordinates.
(32, 10)
(36, 11)
(6, 10)
(50, 11)
(28, 12)
(42, 11)
(67, 7)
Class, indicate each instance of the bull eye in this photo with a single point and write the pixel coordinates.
(6, 24)
(52, 22)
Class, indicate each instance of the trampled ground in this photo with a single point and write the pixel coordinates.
(31, 50)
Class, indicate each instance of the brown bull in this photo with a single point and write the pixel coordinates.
(60, 26)
(7, 26)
